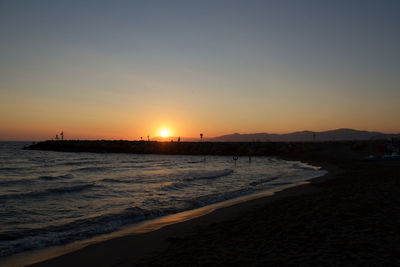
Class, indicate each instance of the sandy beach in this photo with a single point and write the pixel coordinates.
(348, 217)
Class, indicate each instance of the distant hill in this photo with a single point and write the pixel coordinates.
(332, 135)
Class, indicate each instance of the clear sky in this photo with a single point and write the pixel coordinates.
(125, 69)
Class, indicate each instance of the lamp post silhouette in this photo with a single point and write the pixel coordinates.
(201, 137)
(62, 135)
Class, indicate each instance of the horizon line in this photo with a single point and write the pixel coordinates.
(167, 139)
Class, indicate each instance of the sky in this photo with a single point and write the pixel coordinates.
(128, 69)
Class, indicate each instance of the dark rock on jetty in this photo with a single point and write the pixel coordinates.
(339, 150)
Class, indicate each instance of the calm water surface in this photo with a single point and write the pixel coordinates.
(52, 198)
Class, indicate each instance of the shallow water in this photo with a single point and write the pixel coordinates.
(52, 198)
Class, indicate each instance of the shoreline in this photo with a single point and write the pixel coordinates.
(215, 213)
(348, 217)
(158, 224)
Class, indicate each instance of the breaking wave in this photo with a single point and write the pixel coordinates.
(48, 192)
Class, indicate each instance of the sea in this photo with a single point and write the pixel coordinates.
(55, 198)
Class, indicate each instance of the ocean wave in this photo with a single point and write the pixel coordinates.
(174, 186)
(28, 239)
(80, 163)
(92, 169)
(306, 167)
(164, 164)
(133, 167)
(49, 177)
(263, 181)
(281, 183)
(208, 175)
(119, 181)
(194, 162)
(111, 180)
(48, 192)
(130, 180)
(137, 167)
(11, 168)
(33, 180)
(71, 189)
(138, 161)
(217, 197)
(16, 182)
(195, 176)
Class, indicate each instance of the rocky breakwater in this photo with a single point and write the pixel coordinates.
(338, 150)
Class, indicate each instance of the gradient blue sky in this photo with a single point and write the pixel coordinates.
(124, 69)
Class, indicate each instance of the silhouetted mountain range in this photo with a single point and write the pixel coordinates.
(332, 135)
(304, 136)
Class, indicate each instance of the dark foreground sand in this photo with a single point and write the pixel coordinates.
(352, 219)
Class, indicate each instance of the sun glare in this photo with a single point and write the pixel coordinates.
(164, 133)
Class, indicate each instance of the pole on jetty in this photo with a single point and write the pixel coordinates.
(204, 150)
(235, 158)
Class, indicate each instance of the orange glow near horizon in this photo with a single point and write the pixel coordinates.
(35, 117)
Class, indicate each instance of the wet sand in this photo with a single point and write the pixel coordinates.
(349, 217)
(351, 220)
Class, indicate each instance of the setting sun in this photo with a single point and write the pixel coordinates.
(165, 133)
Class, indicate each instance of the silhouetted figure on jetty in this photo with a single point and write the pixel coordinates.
(204, 151)
(235, 158)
